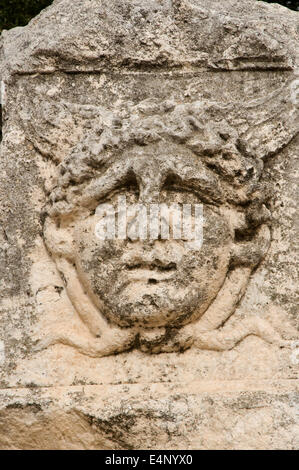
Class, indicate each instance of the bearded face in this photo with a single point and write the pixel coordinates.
(155, 282)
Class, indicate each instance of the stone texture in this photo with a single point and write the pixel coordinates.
(113, 345)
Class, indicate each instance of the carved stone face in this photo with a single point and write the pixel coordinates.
(156, 294)
(154, 283)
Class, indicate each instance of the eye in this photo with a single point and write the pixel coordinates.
(128, 188)
(175, 190)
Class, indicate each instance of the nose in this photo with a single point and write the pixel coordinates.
(149, 192)
(150, 178)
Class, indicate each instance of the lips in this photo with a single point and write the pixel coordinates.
(151, 272)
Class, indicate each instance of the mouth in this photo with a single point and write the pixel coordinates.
(152, 273)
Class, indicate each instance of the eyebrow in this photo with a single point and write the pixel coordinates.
(199, 178)
(115, 176)
(196, 177)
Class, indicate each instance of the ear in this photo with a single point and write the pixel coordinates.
(250, 253)
(59, 241)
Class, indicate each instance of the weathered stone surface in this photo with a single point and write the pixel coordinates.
(93, 35)
(198, 415)
(117, 343)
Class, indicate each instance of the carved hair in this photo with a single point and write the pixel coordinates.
(198, 126)
(232, 142)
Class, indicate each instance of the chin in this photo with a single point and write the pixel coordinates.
(151, 303)
(148, 313)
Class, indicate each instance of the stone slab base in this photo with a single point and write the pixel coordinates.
(199, 415)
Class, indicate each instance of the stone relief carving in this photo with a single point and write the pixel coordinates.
(182, 101)
(158, 295)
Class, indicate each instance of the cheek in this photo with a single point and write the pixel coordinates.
(84, 239)
(91, 254)
(207, 267)
(216, 230)
(210, 263)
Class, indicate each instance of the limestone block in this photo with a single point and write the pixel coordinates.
(153, 341)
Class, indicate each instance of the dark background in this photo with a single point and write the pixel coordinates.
(19, 12)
